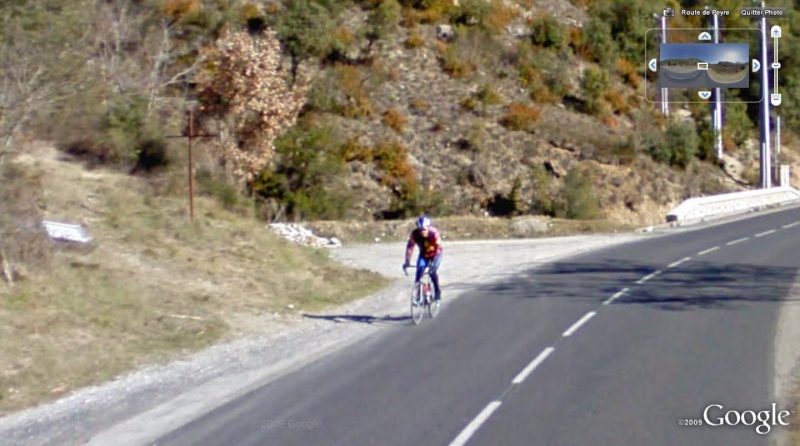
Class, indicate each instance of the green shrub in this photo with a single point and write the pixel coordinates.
(621, 24)
(472, 12)
(595, 87)
(304, 180)
(706, 150)
(305, 30)
(576, 200)
(737, 123)
(383, 21)
(597, 42)
(542, 199)
(470, 49)
(679, 146)
(548, 32)
(542, 72)
(124, 127)
(488, 95)
(123, 135)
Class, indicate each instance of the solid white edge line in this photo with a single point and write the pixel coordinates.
(473, 426)
(744, 239)
(791, 225)
(674, 264)
(702, 253)
(532, 365)
(578, 324)
(648, 277)
(771, 231)
(616, 296)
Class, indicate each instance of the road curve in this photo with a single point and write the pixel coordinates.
(613, 347)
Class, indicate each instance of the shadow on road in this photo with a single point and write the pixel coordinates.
(692, 285)
(360, 318)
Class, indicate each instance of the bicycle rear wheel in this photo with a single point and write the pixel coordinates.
(417, 304)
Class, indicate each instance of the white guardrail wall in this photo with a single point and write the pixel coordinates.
(702, 208)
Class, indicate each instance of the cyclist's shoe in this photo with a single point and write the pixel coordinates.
(438, 296)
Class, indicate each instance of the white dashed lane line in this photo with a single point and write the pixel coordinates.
(648, 277)
(533, 364)
(616, 296)
(791, 225)
(571, 330)
(744, 239)
(702, 253)
(683, 260)
(762, 234)
(473, 426)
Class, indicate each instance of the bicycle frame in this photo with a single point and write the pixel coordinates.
(422, 298)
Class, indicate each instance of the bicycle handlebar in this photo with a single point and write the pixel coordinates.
(428, 267)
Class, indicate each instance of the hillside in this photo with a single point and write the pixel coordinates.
(503, 108)
(492, 114)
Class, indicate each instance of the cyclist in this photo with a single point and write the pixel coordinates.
(426, 238)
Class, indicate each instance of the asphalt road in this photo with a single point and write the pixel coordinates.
(609, 348)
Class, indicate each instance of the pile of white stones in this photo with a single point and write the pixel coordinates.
(295, 233)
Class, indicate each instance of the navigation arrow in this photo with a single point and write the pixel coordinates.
(756, 65)
(704, 94)
(653, 65)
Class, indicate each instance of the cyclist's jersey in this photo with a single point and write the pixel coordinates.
(429, 247)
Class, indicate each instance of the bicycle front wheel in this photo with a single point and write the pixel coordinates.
(417, 304)
(433, 308)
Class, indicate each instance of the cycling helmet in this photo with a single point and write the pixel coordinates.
(423, 222)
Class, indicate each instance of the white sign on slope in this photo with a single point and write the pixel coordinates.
(65, 231)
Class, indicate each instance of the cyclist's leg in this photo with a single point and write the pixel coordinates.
(435, 275)
(421, 264)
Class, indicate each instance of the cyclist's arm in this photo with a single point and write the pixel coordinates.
(437, 241)
(410, 248)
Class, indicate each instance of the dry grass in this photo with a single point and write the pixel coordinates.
(414, 40)
(395, 120)
(153, 286)
(521, 117)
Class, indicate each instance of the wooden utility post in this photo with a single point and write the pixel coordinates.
(189, 133)
(190, 118)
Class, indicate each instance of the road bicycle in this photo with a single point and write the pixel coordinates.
(422, 298)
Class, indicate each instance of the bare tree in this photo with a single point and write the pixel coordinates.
(38, 61)
(39, 66)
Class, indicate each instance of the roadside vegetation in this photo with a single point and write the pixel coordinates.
(150, 285)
